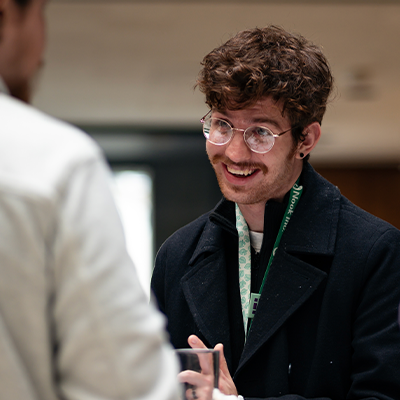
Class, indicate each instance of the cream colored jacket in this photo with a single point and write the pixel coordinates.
(74, 322)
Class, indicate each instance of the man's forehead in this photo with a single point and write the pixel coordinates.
(264, 108)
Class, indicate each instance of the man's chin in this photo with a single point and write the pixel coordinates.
(235, 194)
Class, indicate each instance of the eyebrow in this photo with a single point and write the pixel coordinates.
(266, 120)
(256, 120)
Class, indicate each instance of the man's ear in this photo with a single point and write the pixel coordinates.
(312, 134)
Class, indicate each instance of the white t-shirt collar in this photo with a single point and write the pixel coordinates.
(256, 239)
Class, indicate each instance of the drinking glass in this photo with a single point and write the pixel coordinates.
(203, 361)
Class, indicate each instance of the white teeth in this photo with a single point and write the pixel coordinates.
(245, 172)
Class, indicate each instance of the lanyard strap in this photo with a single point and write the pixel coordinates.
(244, 264)
(245, 254)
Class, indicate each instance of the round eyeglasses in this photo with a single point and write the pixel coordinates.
(258, 138)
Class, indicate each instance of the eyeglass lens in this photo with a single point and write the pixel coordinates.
(219, 132)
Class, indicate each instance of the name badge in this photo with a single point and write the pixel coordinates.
(254, 299)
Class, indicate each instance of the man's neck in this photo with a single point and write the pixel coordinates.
(254, 213)
(254, 216)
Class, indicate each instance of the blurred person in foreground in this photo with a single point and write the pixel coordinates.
(296, 286)
(74, 321)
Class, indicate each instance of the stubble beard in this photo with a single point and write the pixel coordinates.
(274, 187)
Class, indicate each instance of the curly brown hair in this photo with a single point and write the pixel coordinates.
(268, 62)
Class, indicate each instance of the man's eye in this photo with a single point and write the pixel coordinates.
(222, 125)
(260, 131)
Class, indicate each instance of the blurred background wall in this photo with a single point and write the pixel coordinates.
(124, 71)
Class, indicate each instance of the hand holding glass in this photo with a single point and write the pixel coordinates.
(199, 373)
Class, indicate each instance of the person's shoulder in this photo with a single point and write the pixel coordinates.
(26, 126)
(189, 233)
(355, 224)
(37, 150)
(183, 242)
(365, 222)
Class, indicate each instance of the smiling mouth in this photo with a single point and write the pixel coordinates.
(240, 172)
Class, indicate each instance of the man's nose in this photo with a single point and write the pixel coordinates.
(237, 149)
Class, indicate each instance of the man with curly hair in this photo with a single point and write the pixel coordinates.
(295, 286)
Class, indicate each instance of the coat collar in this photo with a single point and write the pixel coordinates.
(311, 231)
(313, 226)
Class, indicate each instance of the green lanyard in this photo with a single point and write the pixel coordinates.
(250, 300)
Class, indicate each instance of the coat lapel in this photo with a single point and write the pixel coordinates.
(205, 288)
(289, 284)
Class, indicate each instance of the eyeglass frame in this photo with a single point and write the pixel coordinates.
(274, 135)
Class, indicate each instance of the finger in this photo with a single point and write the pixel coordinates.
(223, 366)
(196, 393)
(191, 394)
(194, 378)
(196, 343)
(206, 359)
(225, 384)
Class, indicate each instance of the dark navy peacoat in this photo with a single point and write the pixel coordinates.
(326, 324)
